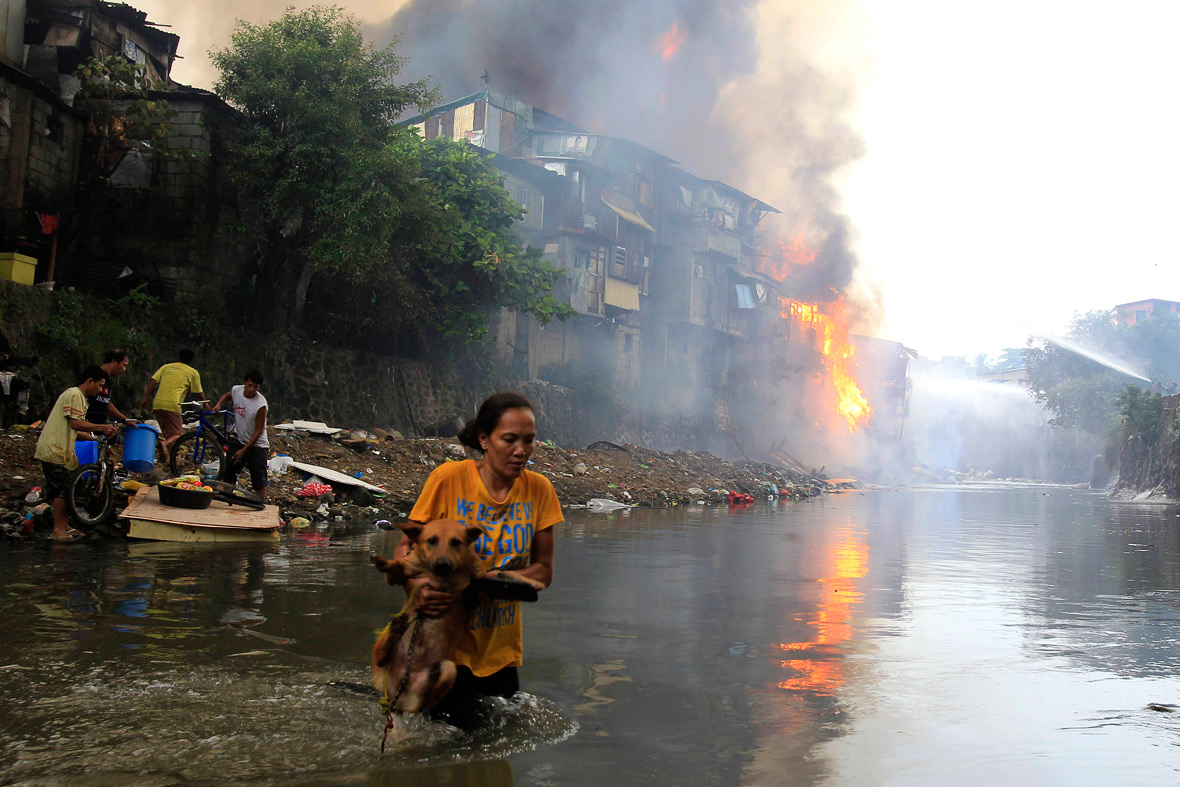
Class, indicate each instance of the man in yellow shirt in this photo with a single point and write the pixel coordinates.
(172, 382)
(55, 446)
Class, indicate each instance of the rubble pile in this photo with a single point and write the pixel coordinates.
(627, 474)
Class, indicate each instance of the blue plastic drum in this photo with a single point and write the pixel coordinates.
(86, 451)
(139, 448)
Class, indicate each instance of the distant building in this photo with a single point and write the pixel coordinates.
(1129, 314)
(1017, 375)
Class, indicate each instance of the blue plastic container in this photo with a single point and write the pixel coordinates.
(86, 451)
(139, 448)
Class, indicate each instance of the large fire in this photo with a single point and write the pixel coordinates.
(668, 42)
(792, 254)
(832, 341)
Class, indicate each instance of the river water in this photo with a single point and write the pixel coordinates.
(917, 636)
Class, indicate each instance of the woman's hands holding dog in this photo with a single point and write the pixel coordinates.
(430, 600)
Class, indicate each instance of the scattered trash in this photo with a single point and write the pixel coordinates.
(330, 475)
(311, 427)
(604, 504)
(132, 486)
(278, 464)
(322, 510)
(696, 491)
(313, 489)
(34, 496)
(384, 524)
(299, 522)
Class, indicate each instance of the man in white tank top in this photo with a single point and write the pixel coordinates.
(248, 446)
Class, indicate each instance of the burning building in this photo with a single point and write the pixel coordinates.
(677, 301)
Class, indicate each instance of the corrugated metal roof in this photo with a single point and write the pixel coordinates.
(634, 218)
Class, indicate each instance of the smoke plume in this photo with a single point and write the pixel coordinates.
(756, 94)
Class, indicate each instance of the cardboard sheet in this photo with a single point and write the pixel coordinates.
(146, 506)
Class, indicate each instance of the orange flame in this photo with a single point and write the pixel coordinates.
(792, 253)
(832, 331)
(668, 42)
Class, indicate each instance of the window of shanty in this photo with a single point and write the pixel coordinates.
(644, 195)
(548, 145)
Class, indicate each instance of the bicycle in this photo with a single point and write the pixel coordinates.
(207, 444)
(90, 492)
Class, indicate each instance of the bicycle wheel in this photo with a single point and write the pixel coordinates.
(195, 451)
(90, 497)
(228, 493)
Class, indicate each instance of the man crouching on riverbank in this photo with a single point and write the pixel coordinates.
(55, 446)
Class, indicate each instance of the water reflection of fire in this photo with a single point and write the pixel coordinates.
(815, 665)
(831, 329)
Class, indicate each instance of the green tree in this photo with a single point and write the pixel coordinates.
(1083, 393)
(454, 258)
(319, 177)
(470, 257)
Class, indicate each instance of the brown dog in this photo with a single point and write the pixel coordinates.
(442, 550)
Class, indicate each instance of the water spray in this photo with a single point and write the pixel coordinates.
(1065, 344)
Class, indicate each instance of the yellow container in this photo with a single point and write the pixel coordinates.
(17, 267)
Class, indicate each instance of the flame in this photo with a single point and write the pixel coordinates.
(668, 42)
(832, 334)
(792, 253)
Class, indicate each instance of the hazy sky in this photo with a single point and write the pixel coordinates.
(1020, 158)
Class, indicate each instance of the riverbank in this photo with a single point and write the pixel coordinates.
(627, 474)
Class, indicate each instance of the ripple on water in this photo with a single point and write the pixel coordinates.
(214, 724)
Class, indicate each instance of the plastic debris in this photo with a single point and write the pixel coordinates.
(604, 504)
(300, 522)
(278, 464)
(34, 496)
(312, 489)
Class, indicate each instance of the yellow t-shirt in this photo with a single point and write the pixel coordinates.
(455, 491)
(173, 382)
(56, 443)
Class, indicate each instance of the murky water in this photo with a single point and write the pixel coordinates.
(936, 636)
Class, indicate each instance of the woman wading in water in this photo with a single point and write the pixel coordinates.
(517, 509)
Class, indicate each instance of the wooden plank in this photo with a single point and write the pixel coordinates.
(146, 506)
(167, 531)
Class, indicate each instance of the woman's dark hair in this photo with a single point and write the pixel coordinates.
(489, 416)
